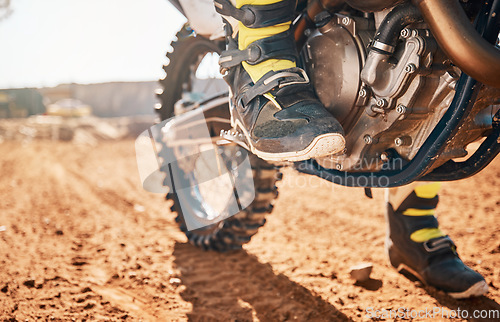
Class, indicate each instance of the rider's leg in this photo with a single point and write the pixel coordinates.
(415, 243)
(273, 103)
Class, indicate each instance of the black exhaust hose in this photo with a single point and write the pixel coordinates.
(395, 21)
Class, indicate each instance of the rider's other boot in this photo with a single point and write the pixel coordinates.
(417, 246)
(272, 101)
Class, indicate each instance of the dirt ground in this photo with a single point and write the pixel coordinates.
(81, 240)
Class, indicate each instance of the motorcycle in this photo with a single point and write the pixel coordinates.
(415, 85)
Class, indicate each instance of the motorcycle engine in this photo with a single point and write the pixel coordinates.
(388, 104)
(335, 53)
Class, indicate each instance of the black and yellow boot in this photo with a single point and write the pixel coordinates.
(417, 246)
(272, 102)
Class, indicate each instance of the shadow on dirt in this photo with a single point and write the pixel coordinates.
(236, 286)
(370, 285)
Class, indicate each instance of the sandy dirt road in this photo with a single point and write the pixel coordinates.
(81, 240)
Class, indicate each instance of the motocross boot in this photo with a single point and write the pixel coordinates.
(417, 246)
(273, 104)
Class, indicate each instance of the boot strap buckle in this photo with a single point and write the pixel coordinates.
(436, 244)
(279, 46)
(258, 16)
(274, 80)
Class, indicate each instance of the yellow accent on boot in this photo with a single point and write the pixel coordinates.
(248, 35)
(426, 234)
(428, 190)
(419, 212)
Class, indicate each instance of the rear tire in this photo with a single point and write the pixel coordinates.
(237, 230)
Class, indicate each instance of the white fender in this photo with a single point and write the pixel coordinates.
(203, 18)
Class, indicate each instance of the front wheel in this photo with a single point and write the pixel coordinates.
(192, 74)
(237, 230)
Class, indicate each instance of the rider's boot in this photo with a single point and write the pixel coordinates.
(417, 246)
(273, 104)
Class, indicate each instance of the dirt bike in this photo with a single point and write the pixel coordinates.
(414, 83)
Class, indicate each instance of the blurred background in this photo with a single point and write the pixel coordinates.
(79, 58)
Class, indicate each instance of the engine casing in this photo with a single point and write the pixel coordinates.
(385, 102)
(335, 54)
(372, 5)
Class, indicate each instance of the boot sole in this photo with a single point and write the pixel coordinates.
(478, 289)
(322, 145)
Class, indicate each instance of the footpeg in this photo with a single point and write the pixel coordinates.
(233, 136)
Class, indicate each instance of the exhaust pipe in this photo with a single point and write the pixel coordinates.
(460, 41)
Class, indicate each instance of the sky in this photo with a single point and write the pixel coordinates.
(50, 42)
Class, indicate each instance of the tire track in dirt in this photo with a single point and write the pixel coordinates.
(83, 240)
